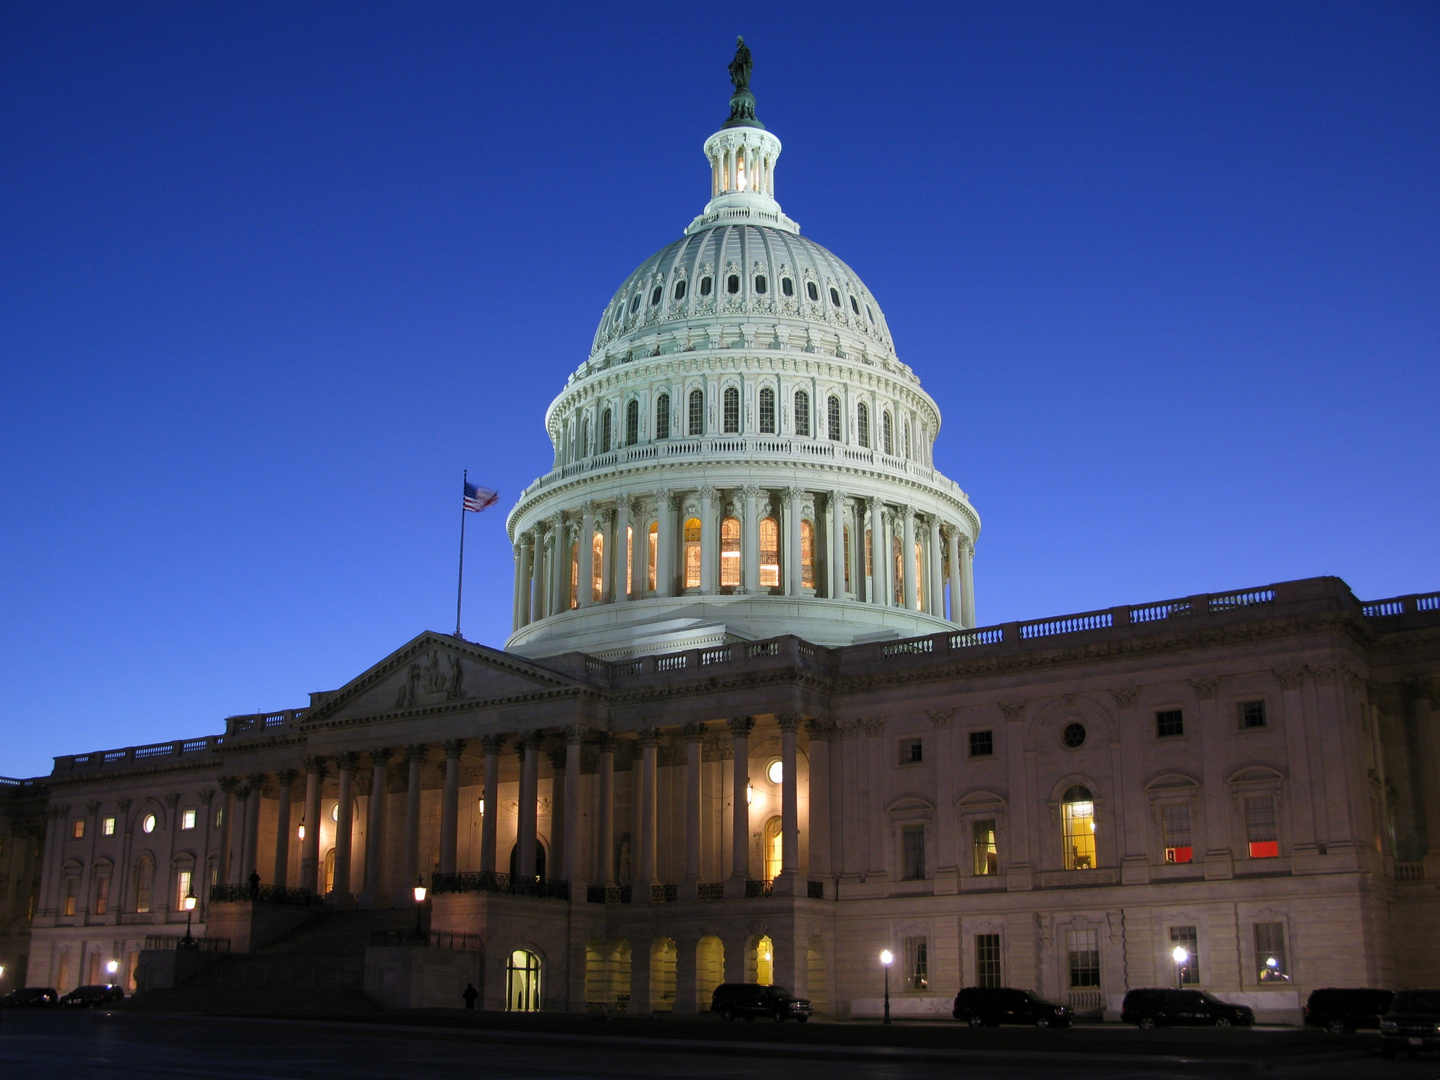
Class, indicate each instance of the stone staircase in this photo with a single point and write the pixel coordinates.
(316, 969)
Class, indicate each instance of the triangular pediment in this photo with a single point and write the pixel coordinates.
(439, 672)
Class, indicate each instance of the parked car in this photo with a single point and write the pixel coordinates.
(991, 1006)
(29, 997)
(1340, 1010)
(750, 1000)
(1412, 1024)
(1154, 1008)
(92, 997)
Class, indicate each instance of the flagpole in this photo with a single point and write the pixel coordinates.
(460, 585)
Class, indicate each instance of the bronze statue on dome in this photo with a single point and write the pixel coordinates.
(742, 102)
(741, 66)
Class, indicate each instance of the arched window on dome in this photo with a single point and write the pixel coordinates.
(707, 285)
(697, 412)
(732, 410)
(787, 286)
(680, 289)
(897, 553)
(905, 435)
(730, 553)
(832, 417)
(692, 553)
(767, 411)
(887, 434)
(802, 413)
(732, 284)
(575, 574)
(769, 553)
(635, 304)
(605, 432)
(658, 292)
(760, 285)
(807, 553)
(854, 306)
(812, 292)
(662, 416)
(1077, 818)
(834, 296)
(652, 553)
(862, 425)
(632, 422)
(584, 438)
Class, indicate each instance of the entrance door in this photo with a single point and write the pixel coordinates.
(522, 982)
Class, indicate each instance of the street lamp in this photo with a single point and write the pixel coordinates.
(887, 958)
(419, 907)
(1181, 956)
(187, 940)
(111, 967)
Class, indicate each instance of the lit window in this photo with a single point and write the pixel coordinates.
(107, 827)
(335, 812)
(732, 284)
(1260, 827)
(987, 853)
(760, 285)
(632, 422)
(767, 411)
(919, 578)
(706, 286)
(912, 840)
(522, 982)
(148, 823)
(987, 960)
(897, 569)
(1187, 958)
(680, 289)
(692, 553)
(773, 848)
(187, 819)
(834, 296)
(628, 583)
(77, 828)
(887, 434)
(605, 432)
(144, 884)
(869, 556)
(787, 287)
(802, 413)
(917, 964)
(1270, 957)
(651, 554)
(769, 554)
(730, 553)
(1252, 714)
(1084, 949)
(912, 751)
(982, 744)
(575, 574)
(807, 554)
(812, 292)
(1175, 827)
(697, 412)
(775, 772)
(1169, 722)
(182, 889)
(662, 416)
(732, 410)
(102, 894)
(71, 885)
(1078, 823)
(862, 425)
(832, 410)
(597, 566)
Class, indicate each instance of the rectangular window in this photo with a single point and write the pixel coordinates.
(912, 751)
(802, 414)
(1169, 722)
(69, 907)
(652, 554)
(987, 960)
(1185, 963)
(732, 411)
(917, 964)
(1252, 714)
(834, 419)
(845, 533)
(662, 417)
(807, 554)
(1175, 825)
(107, 827)
(1084, 947)
(730, 553)
(77, 828)
(769, 554)
(187, 819)
(697, 412)
(102, 894)
(913, 841)
(1260, 827)
(987, 854)
(982, 744)
(1270, 959)
(182, 889)
(219, 816)
(692, 553)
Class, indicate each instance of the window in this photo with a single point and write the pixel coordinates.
(1073, 736)
(807, 554)
(732, 410)
(187, 819)
(1175, 831)
(862, 425)
(832, 417)
(71, 884)
(632, 422)
(629, 583)
(845, 534)
(102, 894)
(182, 889)
(773, 848)
(107, 827)
(584, 438)
(655, 296)
(1084, 949)
(905, 439)
(522, 982)
(651, 555)
(635, 304)
(912, 841)
(854, 306)
(144, 884)
(1169, 722)
(732, 284)
(812, 292)
(912, 751)
(982, 744)
(917, 964)
(662, 416)
(869, 312)
(1077, 813)
(767, 411)
(1252, 714)
(897, 569)
(77, 828)
(787, 287)
(987, 854)
(680, 289)
(706, 286)
(1260, 827)
(834, 296)
(147, 824)
(697, 412)
(1187, 962)
(692, 553)
(1270, 960)
(730, 553)
(574, 577)
(802, 413)
(919, 578)
(887, 434)
(769, 554)
(605, 432)
(597, 566)
(987, 960)
(760, 285)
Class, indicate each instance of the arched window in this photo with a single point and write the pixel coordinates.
(905, 434)
(729, 553)
(732, 284)
(651, 555)
(692, 553)
(144, 884)
(330, 871)
(635, 304)
(887, 435)
(659, 291)
(662, 416)
(869, 556)
(772, 846)
(862, 424)
(769, 553)
(760, 284)
(539, 860)
(697, 412)
(1077, 815)
(767, 411)
(605, 432)
(832, 417)
(897, 551)
(802, 413)
(584, 438)
(854, 306)
(575, 574)
(834, 296)
(597, 566)
(707, 285)
(680, 289)
(846, 533)
(522, 982)
(732, 410)
(807, 553)
(632, 422)
(787, 287)
(812, 292)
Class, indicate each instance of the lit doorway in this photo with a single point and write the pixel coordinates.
(522, 982)
(771, 850)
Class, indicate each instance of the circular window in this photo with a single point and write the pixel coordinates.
(147, 823)
(335, 812)
(775, 771)
(1073, 736)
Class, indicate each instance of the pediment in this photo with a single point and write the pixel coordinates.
(1172, 781)
(980, 799)
(1255, 774)
(436, 671)
(911, 803)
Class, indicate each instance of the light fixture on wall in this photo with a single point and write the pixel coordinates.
(482, 806)
(749, 793)
(300, 832)
(1181, 956)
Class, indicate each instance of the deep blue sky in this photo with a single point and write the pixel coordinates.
(272, 274)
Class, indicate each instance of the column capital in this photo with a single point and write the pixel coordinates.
(941, 718)
(648, 737)
(492, 744)
(874, 727)
(752, 491)
(229, 783)
(172, 800)
(286, 777)
(527, 742)
(693, 731)
(417, 752)
(575, 733)
(820, 730)
(557, 759)
(257, 780)
(909, 512)
(125, 804)
(207, 797)
(1013, 710)
(741, 726)
(605, 742)
(380, 755)
(665, 499)
(346, 762)
(795, 492)
(315, 764)
(1206, 689)
(707, 493)
(790, 722)
(967, 546)
(453, 747)
(587, 510)
(1124, 696)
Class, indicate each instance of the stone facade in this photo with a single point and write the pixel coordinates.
(22, 831)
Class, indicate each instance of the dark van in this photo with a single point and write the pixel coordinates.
(991, 1006)
(749, 1000)
(1156, 1008)
(1339, 1010)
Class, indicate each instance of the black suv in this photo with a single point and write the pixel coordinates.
(751, 1000)
(92, 997)
(1412, 1024)
(1152, 1008)
(29, 997)
(991, 1006)
(1340, 1010)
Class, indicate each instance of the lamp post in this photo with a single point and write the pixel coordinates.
(111, 967)
(887, 958)
(419, 907)
(187, 940)
(1181, 956)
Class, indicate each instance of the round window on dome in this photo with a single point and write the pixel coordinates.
(854, 306)
(760, 284)
(787, 286)
(680, 289)
(705, 286)
(655, 296)
(635, 304)
(812, 292)
(834, 296)
(732, 284)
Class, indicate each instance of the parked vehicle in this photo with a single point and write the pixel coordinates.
(750, 1000)
(1412, 1024)
(1340, 1010)
(991, 1006)
(92, 997)
(29, 997)
(1155, 1008)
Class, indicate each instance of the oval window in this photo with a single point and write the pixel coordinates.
(854, 306)
(834, 296)
(760, 284)
(635, 304)
(732, 284)
(787, 286)
(1073, 736)
(680, 289)
(704, 286)
(655, 296)
(812, 292)
(148, 823)
(775, 773)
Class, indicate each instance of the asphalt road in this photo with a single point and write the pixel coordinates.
(81, 1046)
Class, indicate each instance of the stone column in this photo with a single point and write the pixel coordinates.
(344, 829)
(1219, 859)
(410, 871)
(640, 553)
(489, 820)
(709, 550)
(907, 560)
(876, 762)
(649, 748)
(740, 728)
(559, 837)
(375, 840)
(227, 818)
(559, 565)
(879, 557)
(750, 542)
(605, 826)
(789, 882)
(252, 828)
(792, 546)
(967, 582)
(820, 731)
(515, 622)
(529, 748)
(619, 552)
(836, 560)
(694, 738)
(933, 559)
(1134, 861)
(310, 846)
(281, 877)
(957, 592)
(450, 805)
(537, 574)
(665, 544)
(587, 555)
(570, 865)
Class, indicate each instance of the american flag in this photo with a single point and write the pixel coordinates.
(478, 498)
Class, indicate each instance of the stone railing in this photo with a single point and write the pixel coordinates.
(261, 894)
(710, 890)
(130, 755)
(664, 894)
(1409, 871)
(1400, 605)
(756, 890)
(199, 944)
(607, 894)
(492, 882)
(261, 723)
(436, 939)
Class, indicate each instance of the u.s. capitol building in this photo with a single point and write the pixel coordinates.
(746, 728)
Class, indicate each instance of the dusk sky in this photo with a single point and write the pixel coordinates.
(273, 274)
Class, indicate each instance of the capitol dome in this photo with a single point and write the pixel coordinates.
(740, 434)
